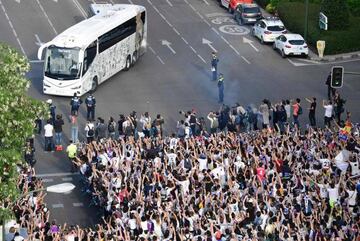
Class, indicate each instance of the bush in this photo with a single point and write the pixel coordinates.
(270, 8)
(337, 13)
(354, 6)
(263, 3)
(337, 41)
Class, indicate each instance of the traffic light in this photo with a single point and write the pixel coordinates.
(337, 76)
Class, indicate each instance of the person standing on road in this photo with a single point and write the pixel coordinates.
(312, 111)
(297, 110)
(220, 85)
(100, 129)
(265, 113)
(71, 151)
(111, 128)
(328, 112)
(90, 131)
(75, 104)
(52, 109)
(90, 102)
(59, 122)
(331, 91)
(214, 63)
(74, 128)
(49, 133)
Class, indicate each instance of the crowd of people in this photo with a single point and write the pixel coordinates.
(252, 175)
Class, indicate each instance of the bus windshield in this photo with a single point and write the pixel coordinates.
(62, 63)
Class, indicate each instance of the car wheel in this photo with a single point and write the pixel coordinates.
(94, 84)
(128, 63)
(240, 21)
(262, 40)
(253, 32)
(283, 53)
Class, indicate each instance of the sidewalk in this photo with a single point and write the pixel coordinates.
(337, 57)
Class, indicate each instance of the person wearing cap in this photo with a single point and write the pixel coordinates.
(214, 63)
(71, 150)
(52, 109)
(75, 104)
(220, 85)
(90, 102)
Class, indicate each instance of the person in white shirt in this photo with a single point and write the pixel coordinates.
(328, 113)
(49, 133)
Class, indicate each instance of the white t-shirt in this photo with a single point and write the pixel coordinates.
(323, 191)
(355, 168)
(352, 197)
(172, 158)
(333, 193)
(328, 110)
(173, 143)
(48, 130)
(202, 164)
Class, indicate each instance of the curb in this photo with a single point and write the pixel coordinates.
(336, 58)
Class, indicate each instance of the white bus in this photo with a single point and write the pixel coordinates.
(90, 52)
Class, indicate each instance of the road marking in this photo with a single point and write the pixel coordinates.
(184, 40)
(193, 49)
(206, 2)
(157, 56)
(59, 174)
(247, 61)
(47, 180)
(82, 11)
(235, 50)
(35, 61)
(201, 58)
(78, 204)
(59, 205)
(169, 3)
(38, 41)
(214, 29)
(208, 43)
(250, 42)
(131, 2)
(47, 17)
(177, 32)
(67, 179)
(167, 44)
(18, 1)
(12, 28)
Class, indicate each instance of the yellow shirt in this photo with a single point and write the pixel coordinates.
(71, 150)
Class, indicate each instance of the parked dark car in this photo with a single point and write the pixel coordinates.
(247, 14)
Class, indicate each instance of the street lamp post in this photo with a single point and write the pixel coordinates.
(306, 19)
(58, 188)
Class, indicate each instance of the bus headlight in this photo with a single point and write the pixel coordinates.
(77, 87)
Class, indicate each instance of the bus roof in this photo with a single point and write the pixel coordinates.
(85, 32)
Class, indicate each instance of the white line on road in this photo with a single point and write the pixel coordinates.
(201, 58)
(12, 28)
(36, 61)
(162, 16)
(157, 56)
(214, 29)
(47, 17)
(59, 174)
(235, 50)
(67, 179)
(82, 11)
(250, 42)
(38, 41)
(193, 49)
(78, 204)
(47, 180)
(206, 2)
(184, 40)
(169, 3)
(60, 205)
(18, 1)
(131, 2)
(247, 61)
(177, 32)
(167, 44)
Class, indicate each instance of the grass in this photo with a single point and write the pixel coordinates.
(337, 41)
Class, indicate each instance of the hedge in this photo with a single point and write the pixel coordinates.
(337, 41)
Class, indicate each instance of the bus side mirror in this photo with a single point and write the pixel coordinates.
(41, 49)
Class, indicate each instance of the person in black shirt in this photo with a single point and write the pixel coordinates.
(312, 111)
(58, 123)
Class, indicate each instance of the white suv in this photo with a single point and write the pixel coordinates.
(268, 29)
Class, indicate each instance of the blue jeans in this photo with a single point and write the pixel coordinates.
(296, 121)
(49, 144)
(58, 138)
(90, 113)
(74, 134)
(221, 93)
(214, 75)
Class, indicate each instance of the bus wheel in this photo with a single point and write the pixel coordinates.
(134, 58)
(94, 84)
(128, 63)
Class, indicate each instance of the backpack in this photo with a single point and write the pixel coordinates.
(300, 111)
(111, 127)
(91, 132)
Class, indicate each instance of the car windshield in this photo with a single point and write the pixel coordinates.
(276, 28)
(62, 63)
(251, 10)
(297, 42)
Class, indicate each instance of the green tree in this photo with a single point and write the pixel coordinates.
(337, 12)
(18, 112)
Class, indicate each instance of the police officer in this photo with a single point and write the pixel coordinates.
(75, 104)
(71, 150)
(214, 63)
(52, 109)
(90, 102)
(221, 88)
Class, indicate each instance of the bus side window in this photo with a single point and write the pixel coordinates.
(89, 55)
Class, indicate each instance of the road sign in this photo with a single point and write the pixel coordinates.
(337, 76)
(323, 21)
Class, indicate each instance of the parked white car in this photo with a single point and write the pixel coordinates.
(268, 29)
(291, 44)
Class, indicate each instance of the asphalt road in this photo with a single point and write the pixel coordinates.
(165, 80)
